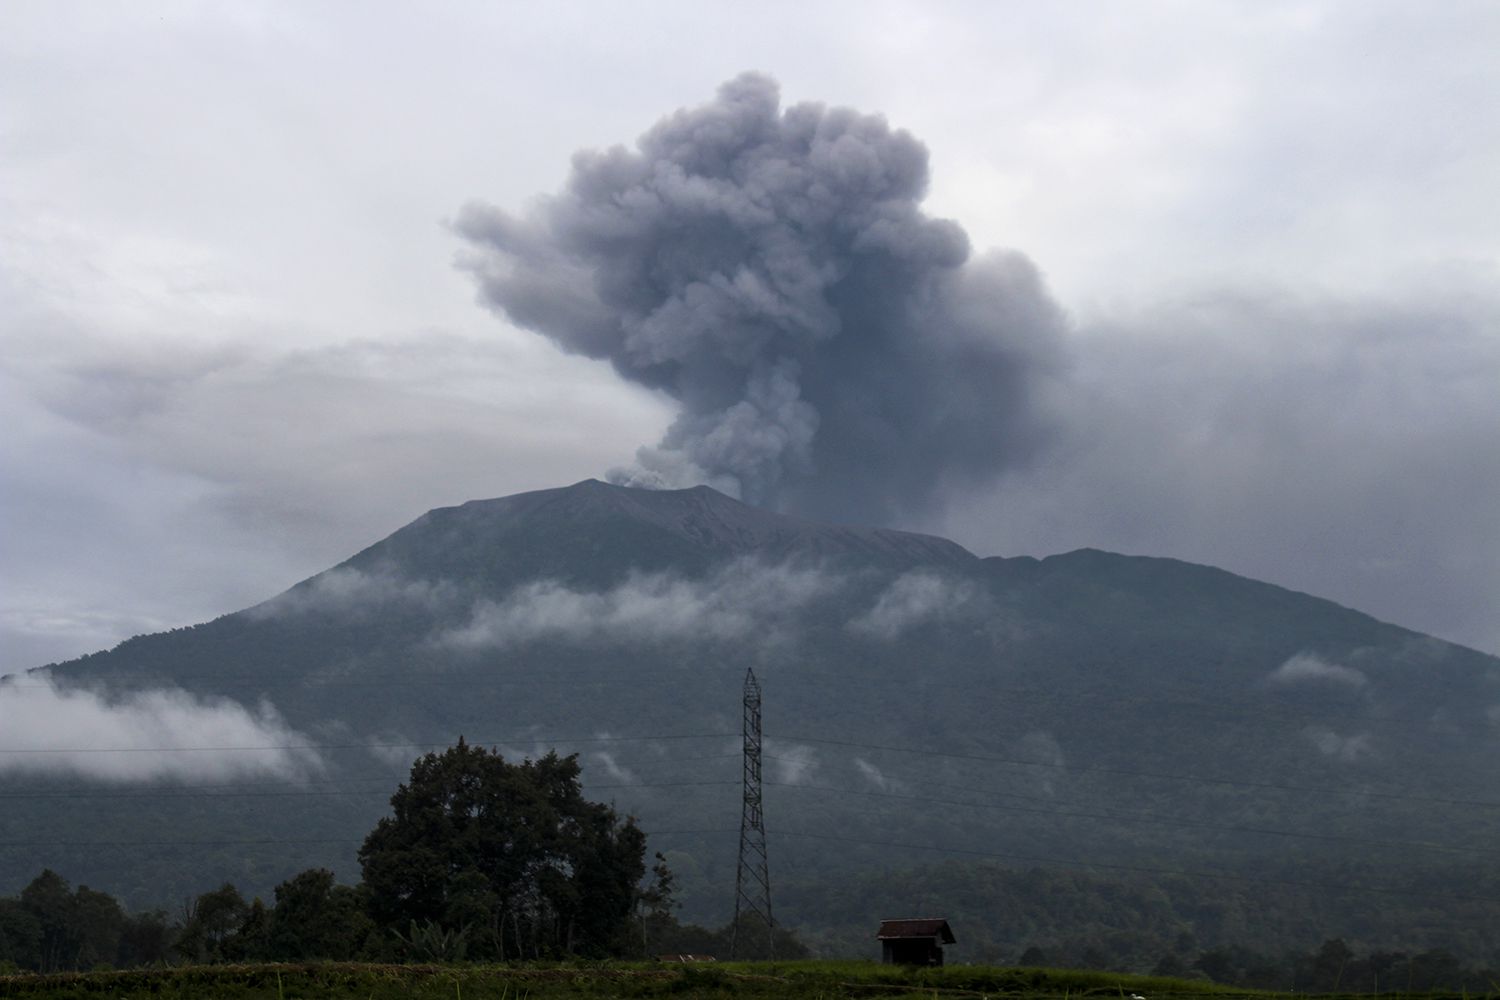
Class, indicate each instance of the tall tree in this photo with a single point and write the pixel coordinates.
(66, 929)
(49, 899)
(96, 924)
(209, 922)
(145, 938)
(20, 936)
(511, 854)
(317, 918)
(655, 904)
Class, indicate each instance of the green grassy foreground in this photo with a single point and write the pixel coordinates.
(749, 980)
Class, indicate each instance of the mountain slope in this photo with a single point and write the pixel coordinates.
(1087, 708)
(610, 526)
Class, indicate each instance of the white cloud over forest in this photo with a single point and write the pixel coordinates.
(1309, 667)
(733, 603)
(914, 599)
(162, 734)
(1346, 749)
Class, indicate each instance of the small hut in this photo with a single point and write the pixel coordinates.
(913, 941)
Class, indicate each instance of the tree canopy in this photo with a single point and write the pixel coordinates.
(510, 856)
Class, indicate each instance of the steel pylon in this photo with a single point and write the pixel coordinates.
(752, 881)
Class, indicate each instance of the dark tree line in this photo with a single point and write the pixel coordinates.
(1333, 968)
(1336, 968)
(52, 926)
(480, 859)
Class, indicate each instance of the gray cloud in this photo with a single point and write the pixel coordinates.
(1323, 150)
(1346, 749)
(1305, 667)
(735, 602)
(613, 769)
(351, 593)
(71, 732)
(1042, 748)
(138, 482)
(916, 598)
(875, 776)
(793, 764)
(393, 749)
(833, 350)
(1340, 446)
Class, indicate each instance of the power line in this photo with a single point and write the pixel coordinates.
(169, 794)
(1160, 775)
(1066, 863)
(186, 790)
(407, 679)
(1118, 813)
(1128, 816)
(1148, 819)
(1195, 707)
(262, 842)
(210, 789)
(1073, 864)
(556, 740)
(983, 758)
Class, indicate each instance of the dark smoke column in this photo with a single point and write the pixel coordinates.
(834, 350)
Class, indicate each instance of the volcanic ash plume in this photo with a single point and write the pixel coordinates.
(834, 351)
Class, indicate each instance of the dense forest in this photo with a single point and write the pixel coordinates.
(1114, 760)
(482, 859)
(52, 927)
(1135, 921)
(1088, 707)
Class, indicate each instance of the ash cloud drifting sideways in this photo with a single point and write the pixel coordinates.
(832, 349)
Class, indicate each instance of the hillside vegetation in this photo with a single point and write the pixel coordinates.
(822, 980)
(1170, 749)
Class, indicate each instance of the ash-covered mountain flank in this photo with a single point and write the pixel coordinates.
(600, 531)
(922, 704)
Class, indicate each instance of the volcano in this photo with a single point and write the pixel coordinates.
(923, 704)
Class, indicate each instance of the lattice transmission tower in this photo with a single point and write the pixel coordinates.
(752, 882)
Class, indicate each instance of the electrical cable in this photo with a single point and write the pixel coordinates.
(1073, 864)
(1152, 820)
(1128, 772)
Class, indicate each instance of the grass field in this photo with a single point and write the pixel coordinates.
(749, 980)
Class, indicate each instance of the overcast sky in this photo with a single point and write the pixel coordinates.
(237, 348)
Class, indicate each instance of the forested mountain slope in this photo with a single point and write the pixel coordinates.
(921, 704)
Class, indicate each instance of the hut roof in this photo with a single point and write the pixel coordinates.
(923, 927)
